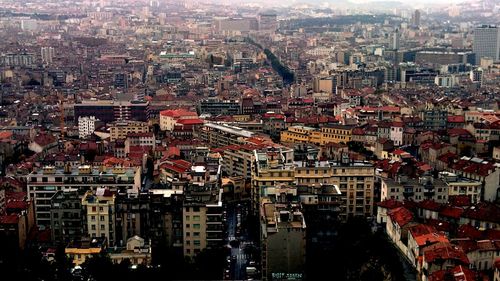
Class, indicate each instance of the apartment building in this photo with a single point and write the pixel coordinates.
(66, 216)
(120, 129)
(43, 183)
(324, 135)
(271, 167)
(99, 214)
(355, 181)
(218, 135)
(283, 241)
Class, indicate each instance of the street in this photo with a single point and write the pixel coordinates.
(238, 240)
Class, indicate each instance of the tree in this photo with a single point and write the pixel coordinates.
(99, 267)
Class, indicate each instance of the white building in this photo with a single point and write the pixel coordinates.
(47, 54)
(86, 126)
(445, 81)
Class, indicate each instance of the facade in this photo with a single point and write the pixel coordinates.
(99, 214)
(486, 42)
(325, 135)
(109, 111)
(219, 107)
(120, 129)
(169, 118)
(86, 126)
(354, 179)
(283, 241)
(47, 54)
(218, 135)
(66, 216)
(44, 183)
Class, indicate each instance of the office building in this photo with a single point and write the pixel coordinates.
(486, 42)
(99, 214)
(268, 21)
(108, 111)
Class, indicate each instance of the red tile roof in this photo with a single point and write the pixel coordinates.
(401, 216)
(9, 219)
(445, 251)
(178, 113)
(451, 212)
(390, 204)
(483, 211)
(459, 273)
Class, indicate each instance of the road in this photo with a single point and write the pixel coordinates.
(238, 259)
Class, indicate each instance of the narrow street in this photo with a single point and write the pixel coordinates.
(237, 239)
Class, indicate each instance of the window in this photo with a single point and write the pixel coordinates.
(196, 209)
(188, 225)
(102, 226)
(92, 218)
(196, 234)
(187, 218)
(101, 209)
(196, 218)
(92, 227)
(196, 242)
(196, 226)
(188, 234)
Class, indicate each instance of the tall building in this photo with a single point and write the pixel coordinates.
(268, 21)
(99, 214)
(283, 241)
(47, 54)
(120, 129)
(486, 42)
(415, 20)
(395, 40)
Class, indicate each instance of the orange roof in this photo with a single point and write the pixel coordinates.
(178, 113)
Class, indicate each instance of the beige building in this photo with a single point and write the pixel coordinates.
(120, 129)
(137, 252)
(99, 213)
(355, 181)
(202, 223)
(271, 167)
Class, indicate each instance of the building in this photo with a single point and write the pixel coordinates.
(221, 134)
(136, 251)
(109, 110)
(202, 222)
(268, 21)
(445, 81)
(217, 107)
(47, 54)
(486, 42)
(283, 241)
(66, 216)
(80, 250)
(415, 19)
(414, 189)
(99, 214)
(354, 179)
(444, 57)
(395, 39)
(44, 183)
(171, 118)
(270, 167)
(334, 133)
(86, 126)
(120, 129)
(14, 59)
